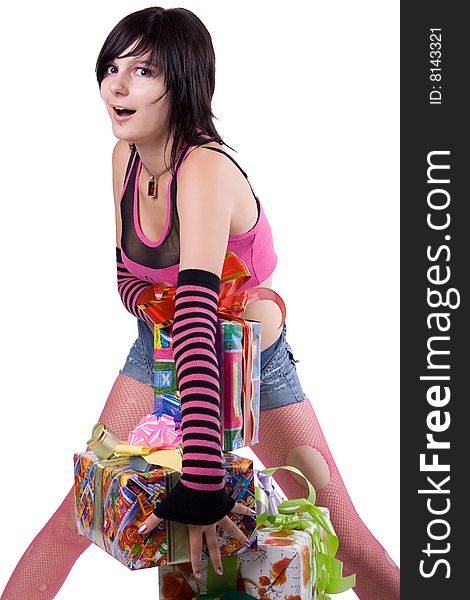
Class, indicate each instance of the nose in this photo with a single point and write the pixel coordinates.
(118, 85)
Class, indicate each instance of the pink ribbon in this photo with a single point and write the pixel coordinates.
(155, 432)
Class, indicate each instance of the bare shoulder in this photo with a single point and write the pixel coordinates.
(212, 168)
(120, 159)
(220, 184)
(206, 179)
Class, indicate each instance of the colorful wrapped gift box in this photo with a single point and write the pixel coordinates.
(294, 558)
(280, 568)
(301, 515)
(164, 369)
(112, 500)
(239, 409)
(239, 372)
(269, 499)
(238, 349)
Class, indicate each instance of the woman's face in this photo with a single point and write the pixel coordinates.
(129, 84)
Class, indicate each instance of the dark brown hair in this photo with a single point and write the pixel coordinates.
(181, 49)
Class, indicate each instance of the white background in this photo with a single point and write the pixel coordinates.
(307, 92)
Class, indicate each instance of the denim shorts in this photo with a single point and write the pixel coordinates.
(279, 382)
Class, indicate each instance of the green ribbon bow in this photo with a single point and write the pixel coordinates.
(303, 514)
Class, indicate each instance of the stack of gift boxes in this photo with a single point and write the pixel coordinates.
(118, 483)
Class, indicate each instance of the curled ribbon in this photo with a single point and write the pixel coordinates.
(271, 499)
(155, 432)
(303, 514)
(158, 301)
(169, 458)
(106, 445)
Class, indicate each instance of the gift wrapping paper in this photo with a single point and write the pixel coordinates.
(239, 414)
(281, 568)
(164, 368)
(177, 582)
(239, 410)
(112, 500)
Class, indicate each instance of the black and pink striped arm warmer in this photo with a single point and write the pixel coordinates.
(130, 288)
(199, 497)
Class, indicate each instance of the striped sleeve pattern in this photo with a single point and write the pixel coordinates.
(199, 496)
(130, 288)
(193, 334)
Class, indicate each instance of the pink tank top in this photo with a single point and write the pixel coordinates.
(158, 262)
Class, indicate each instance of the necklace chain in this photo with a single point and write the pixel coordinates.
(152, 189)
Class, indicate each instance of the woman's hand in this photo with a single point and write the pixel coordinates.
(210, 533)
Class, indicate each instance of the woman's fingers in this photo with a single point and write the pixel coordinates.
(150, 523)
(213, 548)
(229, 526)
(210, 532)
(195, 544)
(243, 510)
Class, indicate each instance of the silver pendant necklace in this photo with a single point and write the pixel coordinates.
(152, 188)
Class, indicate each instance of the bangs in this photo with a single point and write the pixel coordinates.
(142, 42)
(142, 48)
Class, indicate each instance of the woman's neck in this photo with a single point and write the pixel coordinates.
(155, 158)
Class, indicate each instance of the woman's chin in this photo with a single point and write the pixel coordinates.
(121, 133)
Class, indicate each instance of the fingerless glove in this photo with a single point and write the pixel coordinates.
(199, 497)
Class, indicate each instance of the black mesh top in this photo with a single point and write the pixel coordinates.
(133, 245)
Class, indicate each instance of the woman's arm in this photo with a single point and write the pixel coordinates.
(129, 286)
(120, 159)
(204, 212)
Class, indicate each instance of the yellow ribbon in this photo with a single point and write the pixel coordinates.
(168, 458)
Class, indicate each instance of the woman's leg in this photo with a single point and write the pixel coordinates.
(303, 445)
(44, 566)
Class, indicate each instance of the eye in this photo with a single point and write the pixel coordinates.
(148, 71)
(106, 69)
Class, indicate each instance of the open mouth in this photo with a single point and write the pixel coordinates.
(123, 112)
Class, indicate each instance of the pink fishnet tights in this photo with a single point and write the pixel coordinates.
(377, 577)
(49, 558)
(47, 561)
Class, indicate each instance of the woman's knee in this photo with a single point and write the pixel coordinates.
(312, 463)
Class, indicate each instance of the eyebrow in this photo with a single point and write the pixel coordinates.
(134, 59)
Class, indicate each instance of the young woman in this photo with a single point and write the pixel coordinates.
(181, 202)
